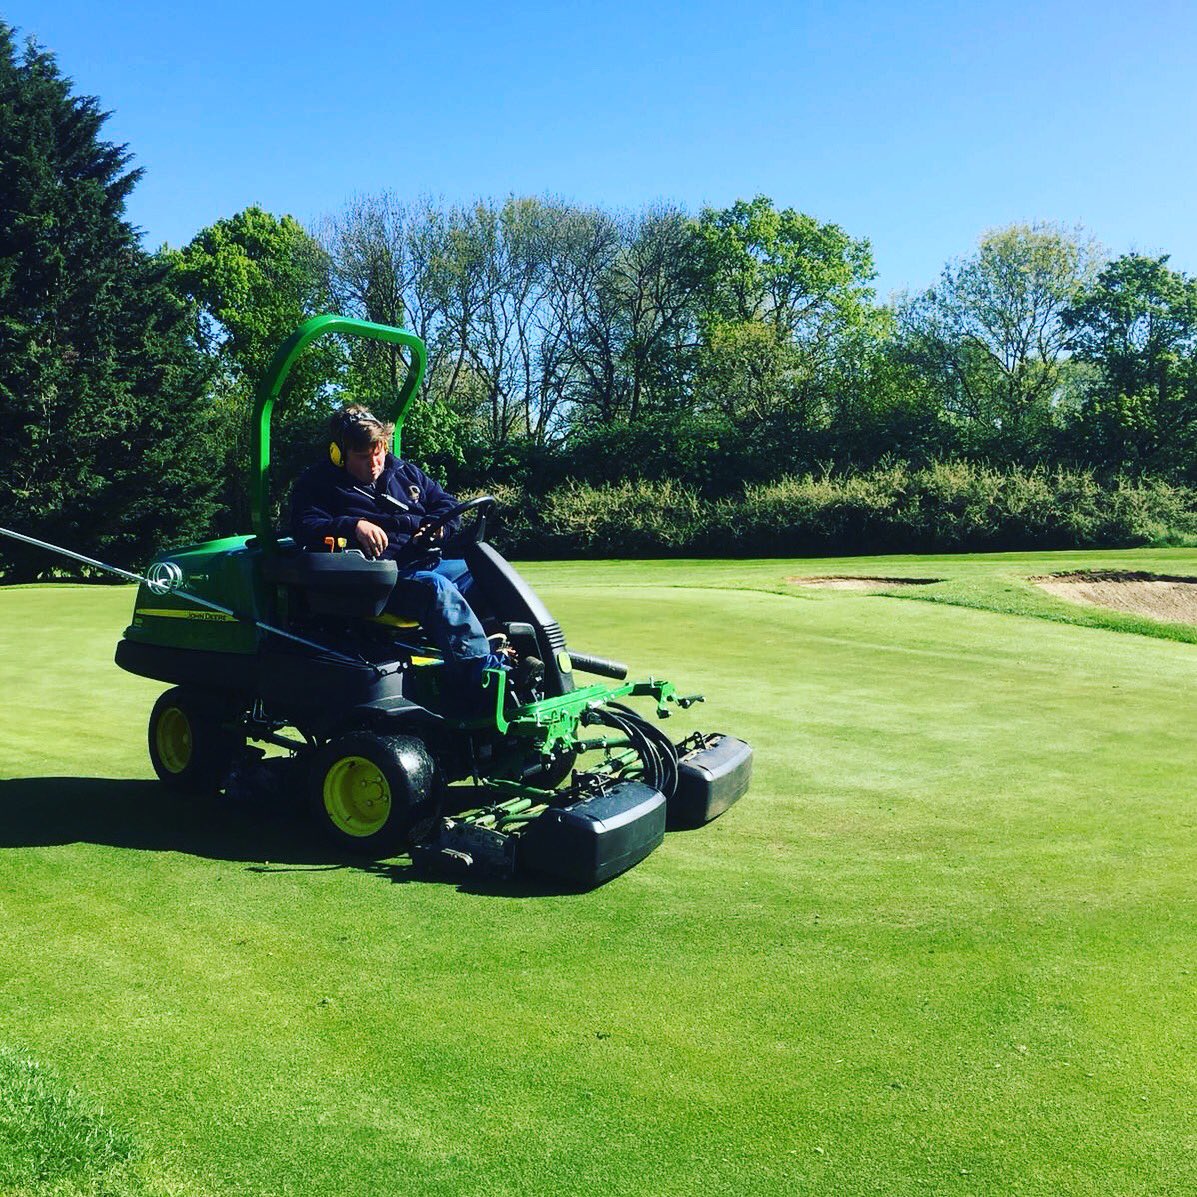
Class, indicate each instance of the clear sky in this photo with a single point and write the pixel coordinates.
(917, 125)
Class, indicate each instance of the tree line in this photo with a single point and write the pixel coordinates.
(570, 345)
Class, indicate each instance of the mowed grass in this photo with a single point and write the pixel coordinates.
(944, 945)
(51, 1138)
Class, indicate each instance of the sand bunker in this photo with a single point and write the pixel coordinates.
(1155, 595)
(858, 583)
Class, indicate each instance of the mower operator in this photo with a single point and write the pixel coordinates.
(367, 495)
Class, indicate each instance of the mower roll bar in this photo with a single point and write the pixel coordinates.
(271, 387)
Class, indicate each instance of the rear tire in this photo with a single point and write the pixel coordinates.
(367, 790)
(191, 749)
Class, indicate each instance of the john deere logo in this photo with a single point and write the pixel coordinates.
(164, 576)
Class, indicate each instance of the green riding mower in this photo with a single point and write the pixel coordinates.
(265, 643)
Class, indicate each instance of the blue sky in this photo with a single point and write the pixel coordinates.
(916, 125)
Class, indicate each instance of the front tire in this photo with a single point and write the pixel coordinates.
(367, 790)
(191, 749)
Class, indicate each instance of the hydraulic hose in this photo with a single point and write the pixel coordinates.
(657, 755)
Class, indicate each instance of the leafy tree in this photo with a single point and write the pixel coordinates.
(748, 372)
(1137, 316)
(625, 311)
(992, 339)
(253, 278)
(785, 269)
(787, 302)
(389, 264)
(1137, 327)
(103, 434)
(699, 449)
(879, 407)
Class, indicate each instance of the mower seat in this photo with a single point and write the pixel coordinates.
(338, 584)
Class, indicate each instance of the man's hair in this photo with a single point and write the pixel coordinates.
(355, 428)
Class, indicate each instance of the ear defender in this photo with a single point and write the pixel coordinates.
(336, 448)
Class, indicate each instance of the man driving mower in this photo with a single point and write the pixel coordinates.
(363, 494)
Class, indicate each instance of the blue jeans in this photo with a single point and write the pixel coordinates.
(435, 597)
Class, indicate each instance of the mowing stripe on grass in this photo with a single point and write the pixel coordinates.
(944, 945)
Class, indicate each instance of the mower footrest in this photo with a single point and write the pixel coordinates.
(596, 839)
(710, 779)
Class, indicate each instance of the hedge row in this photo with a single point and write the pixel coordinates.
(945, 506)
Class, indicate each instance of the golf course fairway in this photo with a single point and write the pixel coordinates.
(944, 945)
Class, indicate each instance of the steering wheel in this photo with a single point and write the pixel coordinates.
(482, 504)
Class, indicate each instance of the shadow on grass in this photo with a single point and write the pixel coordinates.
(268, 833)
(480, 885)
(40, 812)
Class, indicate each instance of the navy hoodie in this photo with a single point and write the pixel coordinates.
(329, 501)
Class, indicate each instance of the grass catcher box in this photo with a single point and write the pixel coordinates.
(712, 776)
(591, 841)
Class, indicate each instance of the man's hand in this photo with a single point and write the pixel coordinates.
(371, 537)
(426, 534)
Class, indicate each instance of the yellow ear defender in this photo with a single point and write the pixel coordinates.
(336, 449)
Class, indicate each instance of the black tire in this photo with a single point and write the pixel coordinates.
(191, 746)
(367, 790)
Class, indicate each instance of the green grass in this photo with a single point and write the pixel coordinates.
(987, 582)
(52, 1139)
(944, 945)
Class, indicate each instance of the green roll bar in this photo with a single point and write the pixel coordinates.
(272, 384)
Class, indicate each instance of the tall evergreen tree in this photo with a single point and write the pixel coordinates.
(103, 442)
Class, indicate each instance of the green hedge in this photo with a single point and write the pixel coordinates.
(944, 506)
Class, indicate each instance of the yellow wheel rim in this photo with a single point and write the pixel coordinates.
(356, 796)
(172, 737)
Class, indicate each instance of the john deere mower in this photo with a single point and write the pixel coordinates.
(264, 643)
